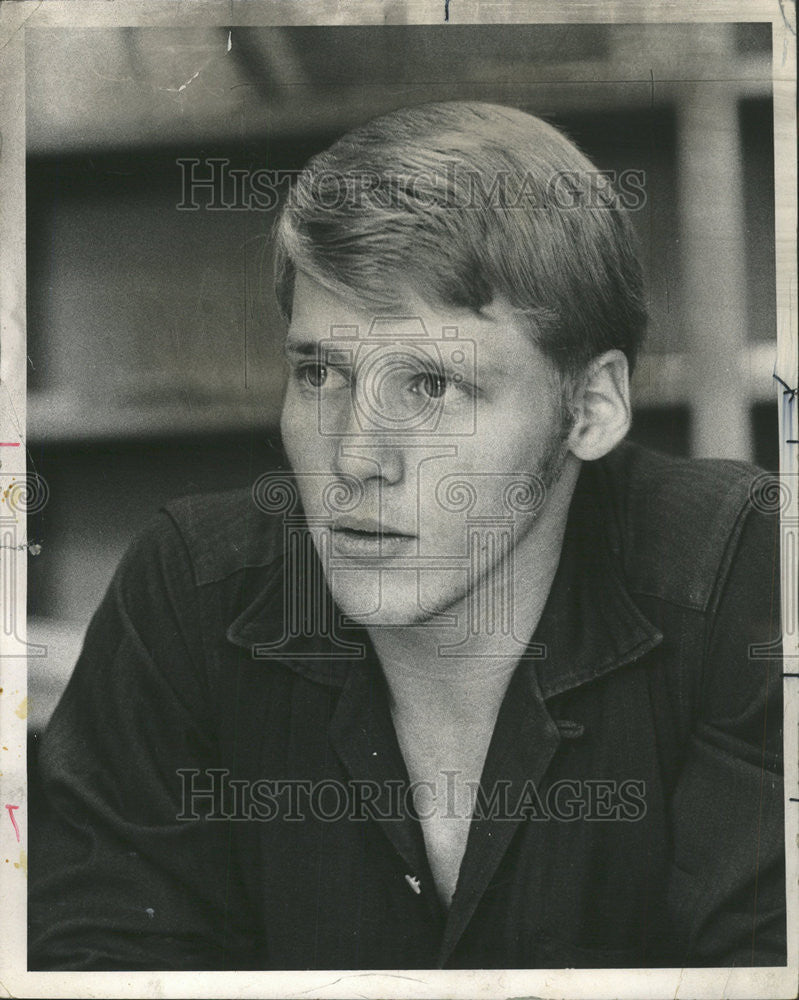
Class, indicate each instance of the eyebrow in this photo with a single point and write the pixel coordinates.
(318, 350)
(305, 348)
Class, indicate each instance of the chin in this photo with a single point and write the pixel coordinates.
(389, 599)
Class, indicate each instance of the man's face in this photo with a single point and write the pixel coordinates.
(425, 446)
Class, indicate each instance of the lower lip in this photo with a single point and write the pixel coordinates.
(355, 543)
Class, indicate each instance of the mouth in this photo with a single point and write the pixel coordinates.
(367, 537)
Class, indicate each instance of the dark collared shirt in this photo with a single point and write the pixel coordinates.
(631, 804)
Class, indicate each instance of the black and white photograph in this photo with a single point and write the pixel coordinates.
(400, 499)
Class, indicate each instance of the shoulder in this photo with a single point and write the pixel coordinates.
(220, 534)
(678, 522)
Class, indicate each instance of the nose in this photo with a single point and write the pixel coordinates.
(370, 457)
(365, 450)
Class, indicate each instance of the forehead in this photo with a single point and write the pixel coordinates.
(498, 338)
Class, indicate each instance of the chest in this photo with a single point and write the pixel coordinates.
(351, 866)
(444, 763)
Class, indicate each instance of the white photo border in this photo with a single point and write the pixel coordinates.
(15, 20)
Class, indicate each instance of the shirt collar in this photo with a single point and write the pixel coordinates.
(590, 624)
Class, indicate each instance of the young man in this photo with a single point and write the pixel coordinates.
(474, 686)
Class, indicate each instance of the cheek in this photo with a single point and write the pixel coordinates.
(299, 433)
(524, 436)
(520, 450)
(513, 445)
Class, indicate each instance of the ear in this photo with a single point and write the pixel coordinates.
(601, 407)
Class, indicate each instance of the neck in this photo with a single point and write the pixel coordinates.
(524, 575)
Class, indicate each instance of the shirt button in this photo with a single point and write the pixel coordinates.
(570, 730)
(413, 882)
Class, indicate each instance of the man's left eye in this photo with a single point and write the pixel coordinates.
(430, 384)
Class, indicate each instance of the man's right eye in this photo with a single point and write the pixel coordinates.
(315, 375)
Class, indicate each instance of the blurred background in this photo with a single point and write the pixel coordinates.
(153, 337)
